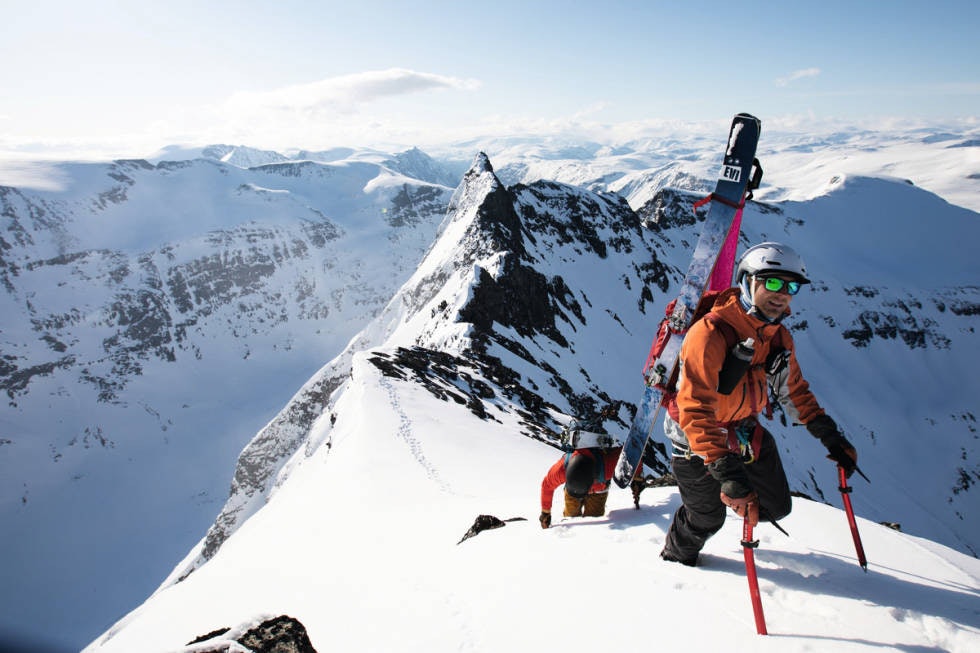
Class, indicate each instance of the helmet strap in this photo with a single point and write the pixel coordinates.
(748, 292)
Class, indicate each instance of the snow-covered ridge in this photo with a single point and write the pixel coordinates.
(535, 286)
(528, 308)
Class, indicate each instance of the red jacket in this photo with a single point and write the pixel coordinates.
(705, 413)
(556, 475)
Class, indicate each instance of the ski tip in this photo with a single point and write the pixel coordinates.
(623, 474)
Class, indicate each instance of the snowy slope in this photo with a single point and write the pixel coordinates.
(361, 546)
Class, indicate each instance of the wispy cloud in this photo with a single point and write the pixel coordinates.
(346, 93)
(797, 74)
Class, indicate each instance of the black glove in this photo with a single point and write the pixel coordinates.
(730, 472)
(839, 449)
(545, 519)
(746, 507)
(736, 490)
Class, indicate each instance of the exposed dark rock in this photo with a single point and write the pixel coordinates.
(412, 204)
(520, 297)
(211, 635)
(487, 522)
(469, 381)
(900, 325)
(282, 634)
(669, 208)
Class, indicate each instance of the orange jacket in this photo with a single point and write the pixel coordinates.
(556, 475)
(703, 412)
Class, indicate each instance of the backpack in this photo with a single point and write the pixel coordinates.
(598, 464)
(703, 311)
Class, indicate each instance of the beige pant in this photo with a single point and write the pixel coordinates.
(594, 505)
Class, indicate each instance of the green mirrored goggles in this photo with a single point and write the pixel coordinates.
(775, 284)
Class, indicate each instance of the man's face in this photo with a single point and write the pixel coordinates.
(772, 303)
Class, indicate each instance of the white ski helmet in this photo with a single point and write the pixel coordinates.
(768, 257)
(771, 257)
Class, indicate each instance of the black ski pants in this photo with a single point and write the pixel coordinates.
(702, 513)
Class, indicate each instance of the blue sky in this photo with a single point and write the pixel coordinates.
(131, 76)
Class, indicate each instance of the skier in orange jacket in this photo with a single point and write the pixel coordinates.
(722, 455)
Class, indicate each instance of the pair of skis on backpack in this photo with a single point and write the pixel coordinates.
(740, 174)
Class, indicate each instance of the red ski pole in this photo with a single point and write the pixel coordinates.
(748, 546)
(845, 492)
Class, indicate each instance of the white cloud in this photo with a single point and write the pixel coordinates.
(370, 107)
(35, 175)
(797, 74)
(345, 93)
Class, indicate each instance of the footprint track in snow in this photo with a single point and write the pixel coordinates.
(405, 433)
